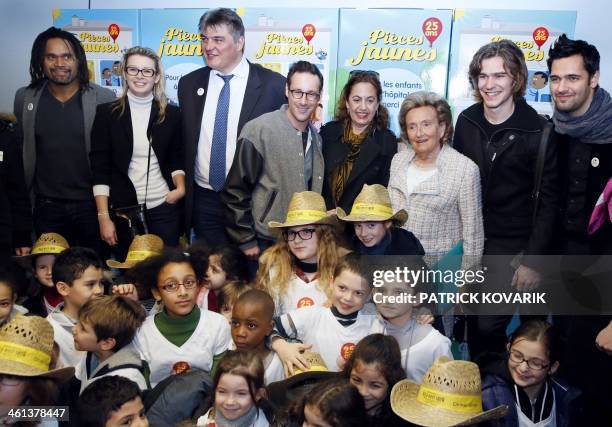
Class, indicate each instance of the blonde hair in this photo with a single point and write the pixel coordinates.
(159, 93)
(278, 262)
(229, 293)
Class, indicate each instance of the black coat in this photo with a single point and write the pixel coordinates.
(112, 143)
(265, 92)
(403, 242)
(371, 167)
(508, 179)
(585, 171)
(15, 209)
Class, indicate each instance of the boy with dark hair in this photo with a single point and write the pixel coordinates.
(77, 274)
(105, 330)
(111, 402)
(251, 324)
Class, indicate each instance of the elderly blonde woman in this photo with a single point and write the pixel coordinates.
(436, 185)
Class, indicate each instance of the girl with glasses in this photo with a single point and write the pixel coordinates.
(524, 380)
(137, 155)
(181, 336)
(297, 270)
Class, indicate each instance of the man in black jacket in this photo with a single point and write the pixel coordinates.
(15, 210)
(502, 135)
(583, 120)
(55, 114)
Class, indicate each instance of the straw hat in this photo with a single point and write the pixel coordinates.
(450, 395)
(305, 208)
(46, 244)
(317, 364)
(26, 347)
(141, 248)
(373, 204)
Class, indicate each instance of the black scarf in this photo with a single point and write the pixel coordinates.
(594, 126)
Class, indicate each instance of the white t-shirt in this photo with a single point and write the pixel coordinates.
(211, 337)
(423, 353)
(335, 343)
(62, 335)
(274, 370)
(299, 294)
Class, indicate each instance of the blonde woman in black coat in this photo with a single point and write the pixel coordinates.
(138, 132)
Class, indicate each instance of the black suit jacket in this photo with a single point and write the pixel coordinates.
(371, 167)
(112, 142)
(265, 92)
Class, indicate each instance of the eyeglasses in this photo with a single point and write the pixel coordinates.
(365, 72)
(305, 234)
(146, 72)
(310, 96)
(173, 286)
(535, 364)
(9, 380)
(68, 57)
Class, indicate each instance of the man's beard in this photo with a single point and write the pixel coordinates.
(70, 77)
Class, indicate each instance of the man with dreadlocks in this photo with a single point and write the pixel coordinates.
(55, 113)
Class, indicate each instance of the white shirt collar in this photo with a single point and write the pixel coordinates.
(241, 71)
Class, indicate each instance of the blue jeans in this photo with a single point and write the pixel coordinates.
(75, 220)
(208, 218)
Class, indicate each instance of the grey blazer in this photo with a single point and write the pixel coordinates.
(443, 209)
(25, 107)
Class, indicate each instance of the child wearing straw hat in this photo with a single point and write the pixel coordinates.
(297, 270)
(27, 374)
(377, 228)
(133, 284)
(449, 395)
(44, 297)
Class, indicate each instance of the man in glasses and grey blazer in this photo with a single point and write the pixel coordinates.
(278, 154)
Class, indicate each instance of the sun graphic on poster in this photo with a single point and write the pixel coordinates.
(56, 13)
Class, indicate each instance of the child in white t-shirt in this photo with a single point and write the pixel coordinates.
(251, 324)
(297, 270)
(420, 344)
(332, 332)
(181, 336)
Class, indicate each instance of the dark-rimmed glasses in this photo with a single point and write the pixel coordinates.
(535, 364)
(172, 286)
(299, 94)
(146, 72)
(305, 234)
